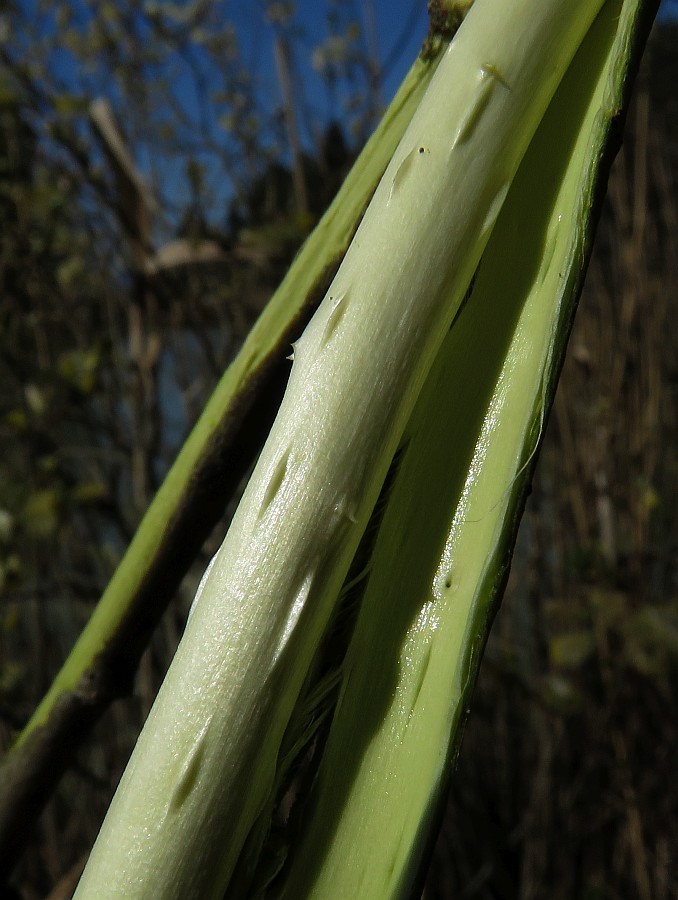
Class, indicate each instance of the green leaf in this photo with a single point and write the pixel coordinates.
(68, 105)
(6, 525)
(40, 515)
(79, 368)
(572, 650)
(90, 492)
(12, 675)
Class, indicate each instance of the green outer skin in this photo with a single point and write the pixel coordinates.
(204, 763)
(444, 546)
(327, 243)
(100, 664)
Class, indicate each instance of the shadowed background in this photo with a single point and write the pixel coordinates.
(129, 278)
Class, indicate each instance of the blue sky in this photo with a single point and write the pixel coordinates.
(400, 27)
(397, 28)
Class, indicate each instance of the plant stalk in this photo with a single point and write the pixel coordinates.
(439, 564)
(205, 762)
(193, 497)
